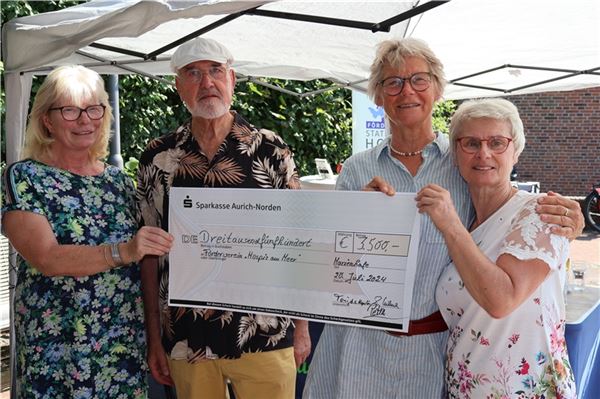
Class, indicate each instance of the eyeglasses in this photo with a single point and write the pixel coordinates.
(496, 144)
(393, 85)
(195, 75)
(72, 113)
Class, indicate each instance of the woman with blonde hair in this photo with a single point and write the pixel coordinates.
(72, 219)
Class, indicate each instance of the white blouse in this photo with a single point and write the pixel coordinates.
(524, 354)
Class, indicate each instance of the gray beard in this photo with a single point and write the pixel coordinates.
(210, 111)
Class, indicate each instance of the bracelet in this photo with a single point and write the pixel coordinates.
(108, 262)
(116, 255)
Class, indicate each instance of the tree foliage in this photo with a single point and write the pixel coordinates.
(442, 112)
(148, 109)
(314, 127)
(318, 126)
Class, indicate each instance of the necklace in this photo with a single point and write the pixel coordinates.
(406, 154)
(477, 222)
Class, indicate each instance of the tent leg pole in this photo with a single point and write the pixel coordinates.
(115, 157)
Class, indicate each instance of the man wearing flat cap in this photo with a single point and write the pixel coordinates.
(201, 349)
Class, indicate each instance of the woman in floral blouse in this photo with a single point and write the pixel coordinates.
(72, 219)
(502, 295)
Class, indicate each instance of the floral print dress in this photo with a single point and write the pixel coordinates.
(523, 355)
(77, 337)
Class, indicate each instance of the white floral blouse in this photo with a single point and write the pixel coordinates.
(523, 355)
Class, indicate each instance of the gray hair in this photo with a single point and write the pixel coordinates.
(394, 52)
(492, 108)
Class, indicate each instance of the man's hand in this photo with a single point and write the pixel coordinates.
(565, 213)
(157, 358)
(159, 367)
(302, 344)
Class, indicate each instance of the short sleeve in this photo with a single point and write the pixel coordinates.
(292, 181)
(530, 238)
(281, 157)
(346, 178)
(131, 196)
(22, 190)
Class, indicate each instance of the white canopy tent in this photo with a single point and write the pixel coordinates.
(491, 47)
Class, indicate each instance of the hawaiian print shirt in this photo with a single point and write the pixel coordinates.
(247, 158)
(524, 354)
(77, 337)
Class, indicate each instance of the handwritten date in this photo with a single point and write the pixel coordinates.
(349, 277)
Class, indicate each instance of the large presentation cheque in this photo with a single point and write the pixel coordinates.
(334, 256)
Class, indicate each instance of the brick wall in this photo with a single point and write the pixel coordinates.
(562, 129)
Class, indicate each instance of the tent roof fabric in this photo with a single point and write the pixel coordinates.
(489, 48)
(520, 42)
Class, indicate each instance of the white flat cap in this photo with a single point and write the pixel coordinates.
(200, 49)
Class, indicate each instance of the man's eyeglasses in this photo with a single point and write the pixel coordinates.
(496, 144)
(195, 75)
(393, 85)
(72, 113)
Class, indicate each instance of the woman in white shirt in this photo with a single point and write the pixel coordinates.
(502, 294)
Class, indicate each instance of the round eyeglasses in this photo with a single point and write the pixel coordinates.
(195, 75)
(72, 113)
(393, 85)
(496, 144)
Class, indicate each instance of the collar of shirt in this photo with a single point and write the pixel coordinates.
(187, 138)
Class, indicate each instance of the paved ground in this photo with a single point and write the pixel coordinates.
(585, 255)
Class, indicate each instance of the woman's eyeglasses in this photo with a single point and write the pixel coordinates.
(72, 113)
(496, 144)
(393, 85)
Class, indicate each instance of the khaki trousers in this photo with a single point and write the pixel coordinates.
(257, 375)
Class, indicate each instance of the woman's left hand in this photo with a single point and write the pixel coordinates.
(437, 203)
(563, 212)
(147, 241)
(378, 183)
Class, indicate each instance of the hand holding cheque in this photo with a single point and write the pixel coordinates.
(340, 257)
